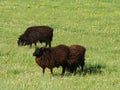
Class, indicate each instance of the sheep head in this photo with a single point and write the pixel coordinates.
(39, 52)
(22, 41)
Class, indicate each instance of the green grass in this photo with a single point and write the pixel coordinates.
(91, 23)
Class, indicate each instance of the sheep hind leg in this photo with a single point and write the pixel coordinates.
(35, 44)
(51, 70)
(63, 70)
(82, 67)
(49, 44)
(75, 68)
(46, 44)
(30, 45)
(43, 71)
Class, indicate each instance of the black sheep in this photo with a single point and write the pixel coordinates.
(52, 57)
(76, 57)
(36, 33)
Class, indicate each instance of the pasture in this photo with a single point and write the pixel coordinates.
(95, 24)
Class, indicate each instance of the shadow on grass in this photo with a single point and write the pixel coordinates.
(88, 70)
(91, 69)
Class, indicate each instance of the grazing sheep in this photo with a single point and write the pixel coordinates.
(52, 57)
(34, 34)
(76, 57)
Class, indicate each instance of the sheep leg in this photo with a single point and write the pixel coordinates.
(46, 44)
(30, 45)
(35, 44)
(51, 70)
(82, 65)
(43, 71)
(49, 44)
(63, 70)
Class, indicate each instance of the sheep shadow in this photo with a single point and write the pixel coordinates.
(91, 69)
(88, 70)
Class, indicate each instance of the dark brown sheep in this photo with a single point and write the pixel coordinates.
(52, 57)
(76, 57)
(36, 33)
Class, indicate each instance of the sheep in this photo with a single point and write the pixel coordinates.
(76, 58)
(52, 57)
(34, 34)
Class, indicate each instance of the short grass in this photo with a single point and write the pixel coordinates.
(91, 23)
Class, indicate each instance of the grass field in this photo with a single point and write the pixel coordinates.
(95, 24)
